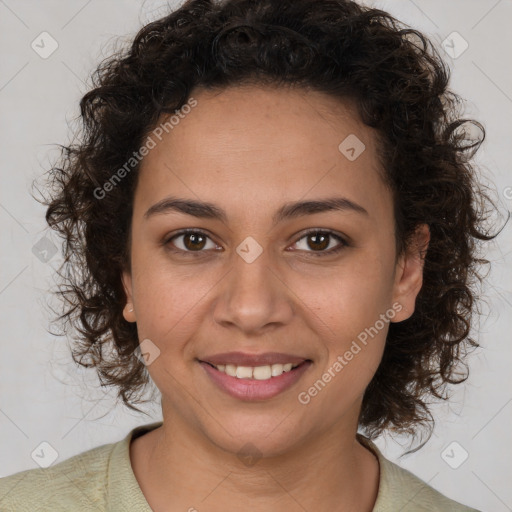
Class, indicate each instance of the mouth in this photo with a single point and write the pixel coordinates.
(255, 383)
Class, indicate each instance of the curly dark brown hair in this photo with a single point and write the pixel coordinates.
(399, 83)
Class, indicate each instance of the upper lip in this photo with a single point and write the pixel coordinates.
(245, 359)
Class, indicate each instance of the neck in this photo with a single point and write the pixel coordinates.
(178, 465)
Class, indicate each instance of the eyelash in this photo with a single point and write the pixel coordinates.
(342, 245)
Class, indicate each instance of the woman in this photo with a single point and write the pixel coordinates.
(271, 214)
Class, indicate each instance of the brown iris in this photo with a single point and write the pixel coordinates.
(319, 245)
(191, 240)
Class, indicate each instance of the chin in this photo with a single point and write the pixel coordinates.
(260, 438)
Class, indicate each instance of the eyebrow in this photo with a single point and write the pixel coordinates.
(292, 210)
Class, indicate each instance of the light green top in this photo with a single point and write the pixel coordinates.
(102, 479)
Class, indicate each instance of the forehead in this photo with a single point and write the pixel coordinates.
(263, 144)
(251, 118)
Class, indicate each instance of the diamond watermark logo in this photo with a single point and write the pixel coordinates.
(44, 45)
(44, 455)
(44, 249)
(249, 250)
(351, 147)
(147, 352)
(249, 454)
(455, 45)
(454, 455)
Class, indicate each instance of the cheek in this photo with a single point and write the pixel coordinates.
(169, 299)
(352, 325)
(350, 310)
(352, 320)
(347, 298)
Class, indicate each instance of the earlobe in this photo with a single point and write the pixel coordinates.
(128, 311)
(409, 273)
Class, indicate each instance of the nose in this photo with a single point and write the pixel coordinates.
(253, 297)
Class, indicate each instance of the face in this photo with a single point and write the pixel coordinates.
(258, 273)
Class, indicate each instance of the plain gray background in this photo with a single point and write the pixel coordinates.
(44, 397)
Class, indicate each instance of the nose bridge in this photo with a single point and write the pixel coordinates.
(252, 295)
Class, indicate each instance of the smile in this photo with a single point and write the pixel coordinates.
(255, 383)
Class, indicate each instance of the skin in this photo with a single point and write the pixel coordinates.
(249, 150)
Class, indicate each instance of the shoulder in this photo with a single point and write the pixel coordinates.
(399, 489)
(99, 479)
(79, 480)
(416, 495)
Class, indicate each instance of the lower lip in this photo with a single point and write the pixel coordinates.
(252, 389)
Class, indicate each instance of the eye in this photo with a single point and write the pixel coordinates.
(193, 241)
(196, 241)
(320, 240)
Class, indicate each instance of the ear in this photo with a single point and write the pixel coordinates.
(128, 311)
(409, 273)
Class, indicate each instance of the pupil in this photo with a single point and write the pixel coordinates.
(194, 238)
(319, 245)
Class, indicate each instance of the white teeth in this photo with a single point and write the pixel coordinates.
(262, 372)
(255, 372)
(277, 369)
(230, 370)
(244, 372)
